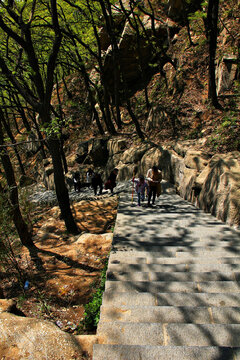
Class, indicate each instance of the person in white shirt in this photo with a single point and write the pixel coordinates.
(89, 177)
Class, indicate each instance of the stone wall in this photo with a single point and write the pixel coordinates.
(212, 183)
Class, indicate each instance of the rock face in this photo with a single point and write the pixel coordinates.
(26, 338)
(33, 146)
(220, 193)
(136, 53)
(26, 181)
(226, 73)
(210, 182)
(178, 10)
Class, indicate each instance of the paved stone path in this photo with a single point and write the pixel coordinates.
(172, 289)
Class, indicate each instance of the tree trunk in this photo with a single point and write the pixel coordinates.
(41, 142)
(21, 226)
(134, 119)
(90, 93)
(22, 112)
(60, 185)
(62, 121)
(110, 25)
(212, 20)
(64, 160)
(10, 134)
(40, 101)
(107, 117)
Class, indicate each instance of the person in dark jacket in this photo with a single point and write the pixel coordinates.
(97, 181)
(76, 181)
(111, 181)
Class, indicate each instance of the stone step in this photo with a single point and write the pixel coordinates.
(144, 352)
(170, 299)
(173, 276)
(173, 286)
(228, 268)
(142, 257)
(126, 333)
(165, 247)
(206, 230)
(224, 252)
(171, 314)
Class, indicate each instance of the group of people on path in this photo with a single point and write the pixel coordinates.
(94, 180)
(149, 186)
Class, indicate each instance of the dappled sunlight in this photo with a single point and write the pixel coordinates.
(172, 281)
(64, 270)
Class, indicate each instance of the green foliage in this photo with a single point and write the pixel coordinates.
(237, 86)
(20, 301)
(199, 14)
(226, 135)
(56, 126)
(92, 309)
(43, 304)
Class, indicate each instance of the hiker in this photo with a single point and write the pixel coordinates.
(140, 187)
(111, 181)
(76, 181)
(97, 181)
(89, 177)
(154, 177)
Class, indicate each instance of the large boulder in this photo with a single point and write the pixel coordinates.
(89, 241)
(170, 76)
(134, 154)
(9, 305)
(48, 180)
(196, 159)
(126, 171)
(72, 160)
(186, 185)
(150, 158)
(201, 178)
(6, 305)
(26, 181)
(47, 175)
(176, 170)
(116, 146)
(98, 152)
(182, 147)
(25, 338)
(82, 152)
(33, 146)
(179, 10)
(226, 73)
(155, 118)
(112, 163)
(220, 194)
(136, 56)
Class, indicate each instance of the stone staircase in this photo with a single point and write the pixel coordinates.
(172, 289)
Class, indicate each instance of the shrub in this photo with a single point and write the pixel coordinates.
(92, 309)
